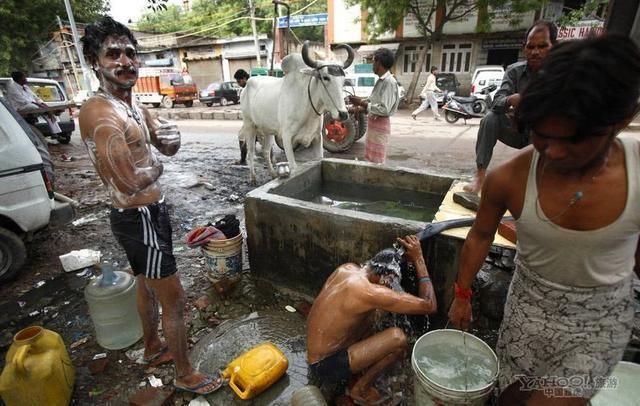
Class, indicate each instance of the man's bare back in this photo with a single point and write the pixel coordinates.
(338, 325)
(343, 312)
(341, 339)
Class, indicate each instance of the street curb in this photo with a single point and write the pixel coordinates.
(634, 126)
(198, 115)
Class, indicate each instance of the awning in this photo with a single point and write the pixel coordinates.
(368, 49)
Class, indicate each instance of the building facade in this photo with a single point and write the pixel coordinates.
(460, 50)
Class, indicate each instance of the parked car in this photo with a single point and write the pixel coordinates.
(27, 200)
(485, 76)
(52, 94)
(221, 93)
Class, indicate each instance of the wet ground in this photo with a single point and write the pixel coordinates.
(44, 295)
(200, 183)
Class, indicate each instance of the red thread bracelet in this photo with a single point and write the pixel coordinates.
(462, 293)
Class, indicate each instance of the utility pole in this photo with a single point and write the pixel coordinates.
(76, 42)
(255, 32)
(71, 60)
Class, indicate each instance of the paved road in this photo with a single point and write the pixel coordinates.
(419, 144)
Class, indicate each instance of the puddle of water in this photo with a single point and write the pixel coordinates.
(404, 204)
(232, 338)
(49, 303)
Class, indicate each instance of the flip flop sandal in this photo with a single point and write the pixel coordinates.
(198, 388)
(153, 359)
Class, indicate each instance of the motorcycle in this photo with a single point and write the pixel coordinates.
(457, 107)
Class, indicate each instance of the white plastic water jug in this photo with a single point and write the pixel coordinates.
(112, 306)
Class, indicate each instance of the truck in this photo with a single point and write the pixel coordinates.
(165, 87)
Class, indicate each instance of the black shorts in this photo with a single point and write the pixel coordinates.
(145, 235)
(334, 368)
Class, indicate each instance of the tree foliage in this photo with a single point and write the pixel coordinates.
(28, 24)
(224, 18)
(588, 10)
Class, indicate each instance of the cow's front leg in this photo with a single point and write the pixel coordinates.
(318, 152)
(266, 151)
(287, 142)
(250, 139)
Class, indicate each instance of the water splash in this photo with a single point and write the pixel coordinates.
(404, 279)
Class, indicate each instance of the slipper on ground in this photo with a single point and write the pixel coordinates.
(154, 358)
(199, 388)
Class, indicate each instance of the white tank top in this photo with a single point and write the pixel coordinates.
(581, 258)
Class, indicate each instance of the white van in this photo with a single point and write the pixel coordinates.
(27, 200)
(361, 85)
(52, 94)
(485, 76)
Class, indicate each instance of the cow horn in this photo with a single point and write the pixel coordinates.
(350, 53)
(306, 58)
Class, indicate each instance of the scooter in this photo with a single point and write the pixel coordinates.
(457, 107)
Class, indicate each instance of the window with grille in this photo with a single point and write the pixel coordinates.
(456, 57)
(411, 56)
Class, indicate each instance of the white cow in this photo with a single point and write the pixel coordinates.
(292, 107)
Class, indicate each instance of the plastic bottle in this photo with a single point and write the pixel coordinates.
(38, 370)
(112, 306)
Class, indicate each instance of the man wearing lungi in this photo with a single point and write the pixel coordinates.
(575, 194)
(382, 104)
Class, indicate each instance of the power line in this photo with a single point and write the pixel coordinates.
(216, 25)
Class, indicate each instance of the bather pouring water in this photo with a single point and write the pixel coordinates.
(341, 339)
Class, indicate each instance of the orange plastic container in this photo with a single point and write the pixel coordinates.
(256, 370)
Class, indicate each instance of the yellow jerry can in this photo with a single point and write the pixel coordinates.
(38, 370)
(254, 371)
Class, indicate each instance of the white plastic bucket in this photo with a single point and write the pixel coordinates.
(621, 389)
(224, 258)
(428, 392)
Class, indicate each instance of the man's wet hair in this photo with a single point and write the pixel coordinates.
(593, 81)
(241, 74)
(387, 263)
(95, 34)
(385, 57)
(542, 24)
(18, 75)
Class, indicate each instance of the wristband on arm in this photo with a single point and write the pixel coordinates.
(424, 279)
(462, 293)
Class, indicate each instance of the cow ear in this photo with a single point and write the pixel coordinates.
(309, 71)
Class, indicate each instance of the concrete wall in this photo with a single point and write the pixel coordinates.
(299, 243)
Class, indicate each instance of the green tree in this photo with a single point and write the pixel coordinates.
(28, 24)
(389, 14)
